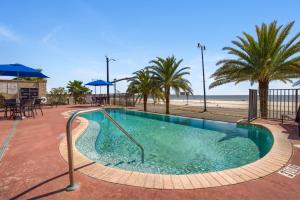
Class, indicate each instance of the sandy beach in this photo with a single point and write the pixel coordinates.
(224, 110)
(213, 113)
(213, 103)
(234, 104)
(210, 103)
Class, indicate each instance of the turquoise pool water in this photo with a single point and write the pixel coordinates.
(173, 145)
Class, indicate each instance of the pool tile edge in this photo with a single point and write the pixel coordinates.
(275, 159)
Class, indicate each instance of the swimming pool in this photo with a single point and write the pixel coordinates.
(173, 145)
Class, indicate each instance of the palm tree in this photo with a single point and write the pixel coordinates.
(58, 95)
(261, 59)
(77, 90)
(156, 92)
(169, 75)
(31, 78)
(143, 85)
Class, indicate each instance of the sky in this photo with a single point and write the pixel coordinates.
(69, 39)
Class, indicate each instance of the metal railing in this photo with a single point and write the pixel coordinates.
(282, 102)
(122, 99)
(252, 108)
(73, 186)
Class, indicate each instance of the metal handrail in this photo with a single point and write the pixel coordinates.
(125, 132)
(73, 186)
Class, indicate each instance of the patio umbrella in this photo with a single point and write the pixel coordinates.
(98, 83)
(19, 71)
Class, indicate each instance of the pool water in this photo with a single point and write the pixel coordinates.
(173, 145)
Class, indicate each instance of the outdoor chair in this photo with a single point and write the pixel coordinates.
(13, 108)
(98, 101)
(103, 100)
(37, 104)
(296, 118)
(94, 101)
(27, 105)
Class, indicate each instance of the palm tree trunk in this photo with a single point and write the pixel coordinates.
(263, 87)
(167, 96)
(145, 102)
(75, 99)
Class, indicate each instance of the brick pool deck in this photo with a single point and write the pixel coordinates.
(33, 168)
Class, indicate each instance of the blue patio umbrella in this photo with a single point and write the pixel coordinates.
(99, 83)
(19, 70)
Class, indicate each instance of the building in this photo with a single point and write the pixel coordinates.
(27, 88)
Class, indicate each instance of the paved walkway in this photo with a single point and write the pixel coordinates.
(4, 130)
(32, 168)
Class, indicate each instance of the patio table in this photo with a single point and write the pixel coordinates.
(13, 108)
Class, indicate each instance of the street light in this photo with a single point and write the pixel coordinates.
(107, 74)
(202, 48)
(115, 91)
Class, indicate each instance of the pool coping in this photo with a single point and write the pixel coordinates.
(274, 160)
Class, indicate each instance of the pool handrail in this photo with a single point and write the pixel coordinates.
(73, 186)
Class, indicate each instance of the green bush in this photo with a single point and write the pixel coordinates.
(58, 96)
(78, 91)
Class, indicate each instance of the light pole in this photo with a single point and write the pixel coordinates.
(202, 48)
(107, 75)
(115, 91)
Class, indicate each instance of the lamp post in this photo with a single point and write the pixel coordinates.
(107, 75)
(115, 91)
(202, 48)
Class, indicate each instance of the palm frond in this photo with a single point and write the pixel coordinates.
(265, 57)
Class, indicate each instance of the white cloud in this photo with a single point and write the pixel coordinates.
(7, 34)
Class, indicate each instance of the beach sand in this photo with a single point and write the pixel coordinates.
(212, 103)
(276, 106)
(223, 110)
(227, 114)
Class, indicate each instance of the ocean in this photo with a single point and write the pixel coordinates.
(212, 97)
